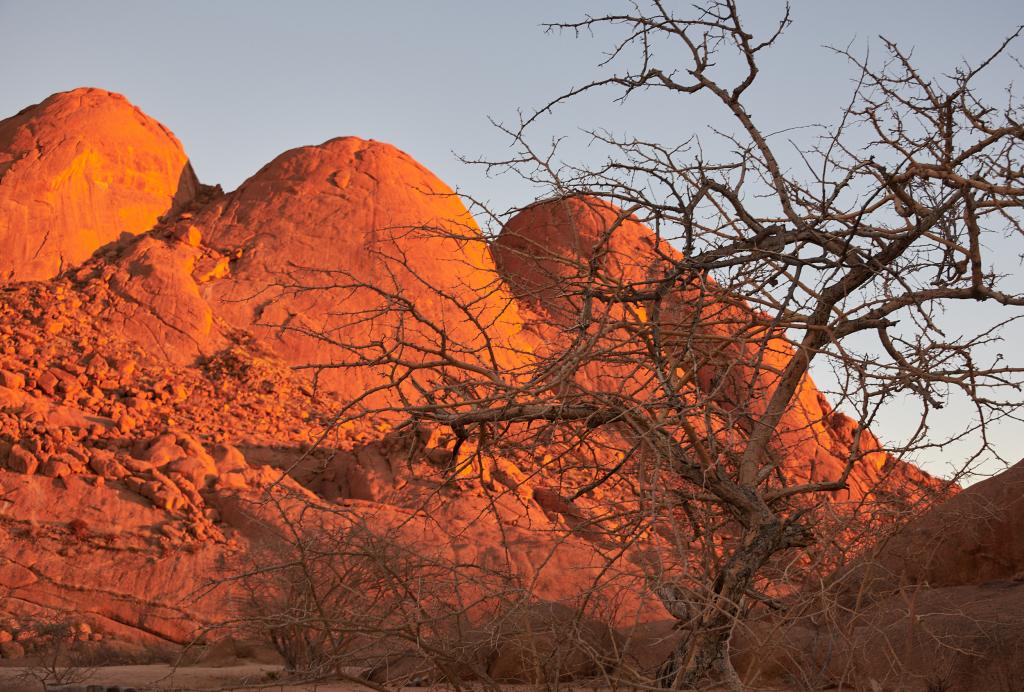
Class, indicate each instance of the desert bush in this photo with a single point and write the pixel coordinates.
(345, 598)
(355, 600)
(61, 653)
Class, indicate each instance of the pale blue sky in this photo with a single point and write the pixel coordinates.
(241, 81)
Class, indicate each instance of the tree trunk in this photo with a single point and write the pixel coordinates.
(704, 651)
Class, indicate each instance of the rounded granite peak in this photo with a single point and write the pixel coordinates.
(331, 241)
(77, 171)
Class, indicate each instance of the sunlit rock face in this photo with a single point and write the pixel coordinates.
(76, 172)
(335, 247)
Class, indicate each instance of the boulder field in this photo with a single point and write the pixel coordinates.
(188, 384)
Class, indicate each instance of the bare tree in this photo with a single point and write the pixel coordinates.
(888, 226)
(675, 376)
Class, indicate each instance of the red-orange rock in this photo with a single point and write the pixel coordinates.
(157, 302)
(56, 467)
(199, 471)
(544, 250)
(338, 240)
(12, 380)
(973, 537)
(945, 593)
(228, 458)
(548, 253)
(77, 171)
(20, 460)
(11, 651)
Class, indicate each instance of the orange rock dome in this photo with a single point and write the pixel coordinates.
(77, 171)
(350, 249)
(553, 250)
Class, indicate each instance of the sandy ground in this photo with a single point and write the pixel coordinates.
(236, 678)
(251, 676)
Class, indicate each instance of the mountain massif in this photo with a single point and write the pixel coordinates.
(192, 383)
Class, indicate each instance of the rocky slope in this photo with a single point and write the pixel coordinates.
(146, 397)
(130, 484)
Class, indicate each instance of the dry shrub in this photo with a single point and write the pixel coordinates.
(355, 600)
(59, 654)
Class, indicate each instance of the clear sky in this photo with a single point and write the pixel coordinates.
(240, 81)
